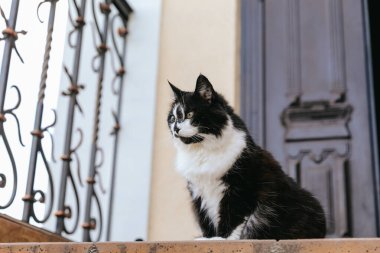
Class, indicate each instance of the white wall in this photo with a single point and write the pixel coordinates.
(197, 37)
(138, 114)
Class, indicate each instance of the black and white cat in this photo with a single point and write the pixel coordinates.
(238, 190)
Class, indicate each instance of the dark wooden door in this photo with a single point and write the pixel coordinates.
(306, 96)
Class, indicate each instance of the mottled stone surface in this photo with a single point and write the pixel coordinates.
(253, 246)
(15, 231)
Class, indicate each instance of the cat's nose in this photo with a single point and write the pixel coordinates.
(176, 129)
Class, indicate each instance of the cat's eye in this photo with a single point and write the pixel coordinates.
(171, 119)
(189, 115)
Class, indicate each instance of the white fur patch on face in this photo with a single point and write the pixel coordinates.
(203, 164)
(174, 112)
(184, 125)
(178, 112)
(186, 129)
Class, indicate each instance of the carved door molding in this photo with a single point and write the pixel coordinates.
(318, 149)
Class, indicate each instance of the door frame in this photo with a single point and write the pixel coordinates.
(253, 81)
(372, 47)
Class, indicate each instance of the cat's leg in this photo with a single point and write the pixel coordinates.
(236, 233)
(211, 238)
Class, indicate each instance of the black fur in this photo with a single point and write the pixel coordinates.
(209, 113)
(255, 183)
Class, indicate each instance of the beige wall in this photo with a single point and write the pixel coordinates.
(197, 36)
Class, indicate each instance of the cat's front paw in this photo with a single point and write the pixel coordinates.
(217, 238)
(211, 238)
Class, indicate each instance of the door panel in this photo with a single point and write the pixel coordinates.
(315, 106)
(315, 49)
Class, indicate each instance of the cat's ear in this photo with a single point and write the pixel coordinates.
(177, 92)
(204, 89)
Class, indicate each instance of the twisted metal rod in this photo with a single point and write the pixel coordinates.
(90, 222)
(38, 134)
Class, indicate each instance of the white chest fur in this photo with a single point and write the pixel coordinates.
(203, 164)
(211, 192)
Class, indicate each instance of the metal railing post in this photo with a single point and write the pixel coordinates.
(119, 76)
(38, 134)
(64, 210)
(90, 223)
(10, 37)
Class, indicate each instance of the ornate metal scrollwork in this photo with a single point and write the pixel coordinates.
(38, 134)
(9, 36)
(100, 42)
(119, 72)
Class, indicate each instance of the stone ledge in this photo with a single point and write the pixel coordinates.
(369, 245)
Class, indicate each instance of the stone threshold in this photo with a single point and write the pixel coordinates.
(355, 245)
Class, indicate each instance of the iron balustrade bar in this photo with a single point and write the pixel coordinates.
(90, 223)
(119, 76)
(123, 8)
(9, 36)
(64, 210)
(38, 134)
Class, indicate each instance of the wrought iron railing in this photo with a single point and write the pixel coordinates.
(109, 11)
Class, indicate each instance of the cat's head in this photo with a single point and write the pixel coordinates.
(194, 115)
